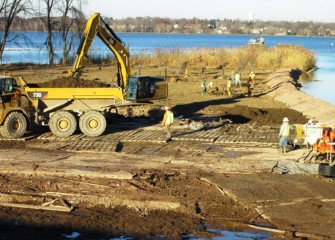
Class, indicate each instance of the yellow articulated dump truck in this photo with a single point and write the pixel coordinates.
(66, 109)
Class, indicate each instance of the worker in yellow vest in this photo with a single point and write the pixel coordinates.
(167, 122)
(284, 134)
(252, 76)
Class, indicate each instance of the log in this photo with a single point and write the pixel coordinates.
(27, 206)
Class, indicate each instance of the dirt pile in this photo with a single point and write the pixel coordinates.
(72, 82)
(240, 114)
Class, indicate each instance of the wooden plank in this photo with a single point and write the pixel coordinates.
(156, 136)
(105, 146)
(88, 145)
(77, 145)
(234, 137)
(209, 136)
(221, 139)
(96, 145)
(83, 145)
(73, 145)
(194, 136)
(200, 135)
(144, 136)
(27, 206)
(137, 135)
(129, 135)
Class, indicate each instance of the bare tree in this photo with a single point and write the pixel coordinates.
(9, 9)
(50, 6)
(71, 16)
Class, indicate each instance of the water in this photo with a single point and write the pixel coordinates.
(31, 47)
(15, 230)
(221, 235)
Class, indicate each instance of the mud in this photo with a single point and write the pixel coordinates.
(150, 189)
(71, 82)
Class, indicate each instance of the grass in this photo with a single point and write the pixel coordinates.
(249, 57)
(238, 59)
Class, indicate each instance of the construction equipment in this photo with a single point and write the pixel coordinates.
(133, 88)
(312, 133)
(323, 144)
(63, 109)
(322, 139)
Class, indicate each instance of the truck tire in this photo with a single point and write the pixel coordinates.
(92, 123)
(326, 170)
(63, 124)
(15, 125)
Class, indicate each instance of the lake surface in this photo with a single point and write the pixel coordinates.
(31, 47)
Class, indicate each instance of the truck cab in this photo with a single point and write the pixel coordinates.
(15, 110)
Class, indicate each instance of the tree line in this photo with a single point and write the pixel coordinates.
(66, 17)
(221, 26)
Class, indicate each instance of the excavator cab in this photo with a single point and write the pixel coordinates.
(144, 88)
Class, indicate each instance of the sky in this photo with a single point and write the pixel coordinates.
(276, 10)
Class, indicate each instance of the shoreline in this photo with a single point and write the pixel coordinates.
(283, 89)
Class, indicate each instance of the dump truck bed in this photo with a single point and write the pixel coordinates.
(77, 99)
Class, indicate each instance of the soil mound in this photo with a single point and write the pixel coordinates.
(267, 116)
(72, 82)
(283, 88)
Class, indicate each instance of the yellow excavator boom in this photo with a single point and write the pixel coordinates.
(95, 26)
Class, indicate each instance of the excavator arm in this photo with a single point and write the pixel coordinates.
(97, 27)
(134, 88)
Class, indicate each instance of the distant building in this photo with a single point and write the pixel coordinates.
(212, 24)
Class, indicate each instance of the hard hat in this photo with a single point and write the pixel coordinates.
(167, 108)
(285, 119)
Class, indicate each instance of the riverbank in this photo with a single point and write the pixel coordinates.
(284, 89)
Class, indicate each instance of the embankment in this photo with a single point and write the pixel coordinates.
(284, 89)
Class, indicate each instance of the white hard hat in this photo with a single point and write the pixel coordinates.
(167, 108)
(285, 119)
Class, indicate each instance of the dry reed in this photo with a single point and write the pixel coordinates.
(248, 57)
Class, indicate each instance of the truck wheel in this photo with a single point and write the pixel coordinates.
(92, 123)
(326, 170)
(15, 125)
(63, 124)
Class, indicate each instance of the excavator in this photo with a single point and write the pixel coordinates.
(136, 88)
(65, 110)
